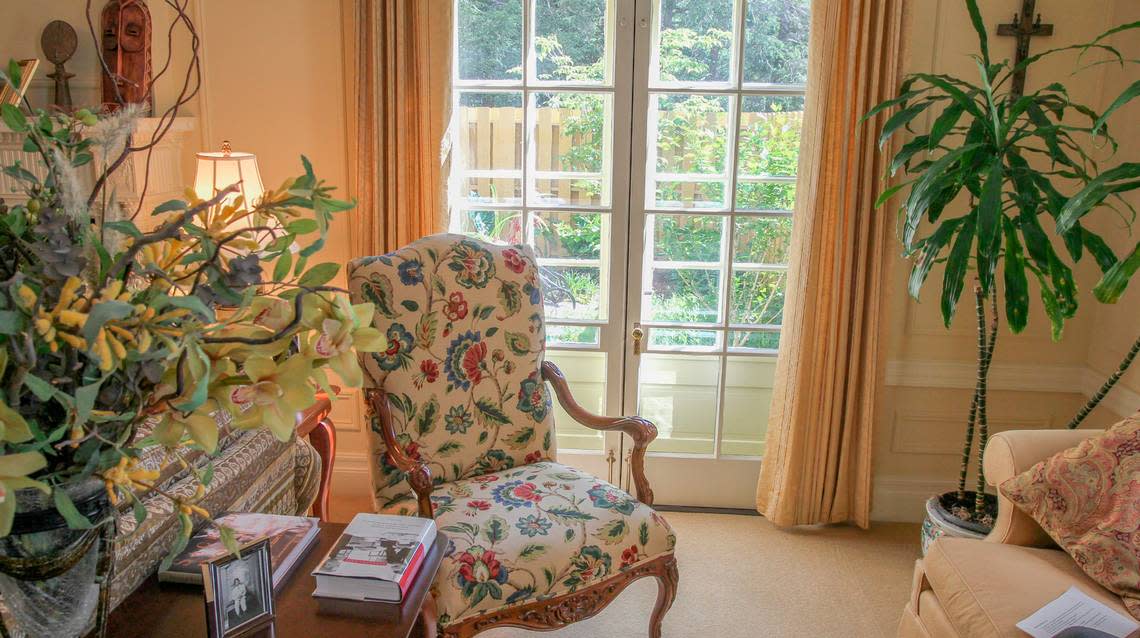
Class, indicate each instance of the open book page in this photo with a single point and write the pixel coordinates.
(1074, 614)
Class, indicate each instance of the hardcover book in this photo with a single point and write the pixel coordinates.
(375, 558)
(290, 538)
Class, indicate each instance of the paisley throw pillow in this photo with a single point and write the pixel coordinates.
(1088, 499)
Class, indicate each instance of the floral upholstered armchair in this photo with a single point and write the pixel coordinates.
(463, 430)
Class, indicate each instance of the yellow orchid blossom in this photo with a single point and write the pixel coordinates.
(201, 425)
(274, 394)
(275, 314)
(13, 427)
(342, 336)
(127, 475)
(240, 351)
(14, 471)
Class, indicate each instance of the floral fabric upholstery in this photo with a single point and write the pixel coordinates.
(466, 339)
(535, 532)
(1088, 500)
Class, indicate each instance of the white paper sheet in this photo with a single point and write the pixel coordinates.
(1074, 614)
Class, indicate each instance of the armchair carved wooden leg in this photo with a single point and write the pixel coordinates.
(666, 594)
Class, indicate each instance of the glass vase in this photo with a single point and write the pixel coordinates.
(50, 574)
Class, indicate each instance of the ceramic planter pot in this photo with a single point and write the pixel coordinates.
(940, 521)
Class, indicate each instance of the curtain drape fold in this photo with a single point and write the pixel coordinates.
(817, 463)
(398, 86)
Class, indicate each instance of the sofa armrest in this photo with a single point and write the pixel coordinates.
(1010, 453)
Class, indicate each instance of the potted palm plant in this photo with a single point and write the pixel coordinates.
(1020, 164)
(107, 351)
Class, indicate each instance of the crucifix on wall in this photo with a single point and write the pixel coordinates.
(1025, 25)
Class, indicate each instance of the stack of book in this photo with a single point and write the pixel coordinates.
(290, 538)
(376, 558)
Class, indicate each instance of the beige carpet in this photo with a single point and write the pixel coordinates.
(741, 577)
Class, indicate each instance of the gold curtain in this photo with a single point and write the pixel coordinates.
(817, 463)
(398, 84)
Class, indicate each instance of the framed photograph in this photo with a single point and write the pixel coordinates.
(239, 591)
(13, 95)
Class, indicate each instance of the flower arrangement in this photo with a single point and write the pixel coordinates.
(113, 339)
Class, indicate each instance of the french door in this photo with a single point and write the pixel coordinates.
(647, 150)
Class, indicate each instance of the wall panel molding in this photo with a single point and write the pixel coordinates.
(900, 499)
(962, 375)
(347, 411)
(940, 433)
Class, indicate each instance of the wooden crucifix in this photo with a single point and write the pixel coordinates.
(1025, 25)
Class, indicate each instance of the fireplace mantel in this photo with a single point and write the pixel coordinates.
(166, 177)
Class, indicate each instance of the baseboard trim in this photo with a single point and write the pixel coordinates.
(351, 464)
(692, 509)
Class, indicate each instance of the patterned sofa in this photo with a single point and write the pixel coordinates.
(253, 472)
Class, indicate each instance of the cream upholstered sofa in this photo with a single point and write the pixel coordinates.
(253, 472)
(982, 588)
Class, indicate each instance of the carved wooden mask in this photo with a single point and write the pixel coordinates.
(126, 50)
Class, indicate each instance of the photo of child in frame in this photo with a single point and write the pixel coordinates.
(241, 590)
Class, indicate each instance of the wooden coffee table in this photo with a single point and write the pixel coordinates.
(172, 611)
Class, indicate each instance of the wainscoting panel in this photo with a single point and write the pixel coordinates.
(942, 432)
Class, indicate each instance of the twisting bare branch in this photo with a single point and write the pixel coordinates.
(298, 302)
(169, 230)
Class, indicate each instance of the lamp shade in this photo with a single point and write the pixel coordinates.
(218, 171)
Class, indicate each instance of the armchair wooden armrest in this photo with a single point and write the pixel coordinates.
(642, 431)
(419, 475)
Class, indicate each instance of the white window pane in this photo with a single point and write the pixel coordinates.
(776, 41)
(559, 335)
(762, 240)
(679, 394)
(566, 235)
(495, 226)
(684, 295)
(747, 395)
(491, 146)
(682, 339)
(691, 133)
(490, 39)
(572, 45)
(769, 140)
(757, 297)
(687, 237)
(701, 195)
(586, 374)
(574, 292)
(572, 148)
(694, 41)
(689, 137)
(757, 341)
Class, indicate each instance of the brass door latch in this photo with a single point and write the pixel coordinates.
(638, 334)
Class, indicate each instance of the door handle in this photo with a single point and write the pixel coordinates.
(638, 334)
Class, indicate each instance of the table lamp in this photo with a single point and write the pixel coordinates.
(218, 171)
